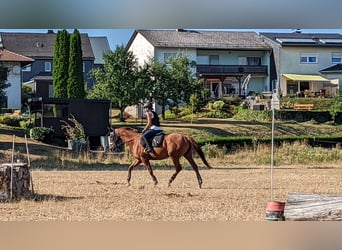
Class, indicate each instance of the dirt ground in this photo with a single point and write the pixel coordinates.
(233, 193)
(228, 194)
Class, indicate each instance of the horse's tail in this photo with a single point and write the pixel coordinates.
(198, 149)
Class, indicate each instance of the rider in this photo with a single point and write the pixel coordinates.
(152, 127)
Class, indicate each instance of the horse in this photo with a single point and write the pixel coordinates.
(174, 145)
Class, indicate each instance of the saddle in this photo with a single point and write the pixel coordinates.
(155, 140)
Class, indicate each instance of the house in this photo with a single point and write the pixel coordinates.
(40, 46)
(13, 62)
(229, 63)
(306, 64)
(100, 46)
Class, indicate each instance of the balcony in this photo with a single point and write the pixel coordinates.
(231, 70)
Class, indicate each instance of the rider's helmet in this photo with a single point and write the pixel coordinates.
(148, 105)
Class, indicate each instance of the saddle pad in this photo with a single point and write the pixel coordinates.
(157, 140)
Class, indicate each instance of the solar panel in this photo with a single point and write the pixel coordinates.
(295, 40)
(331, 40)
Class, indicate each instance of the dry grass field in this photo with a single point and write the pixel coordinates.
(228, 194)
(235, 190)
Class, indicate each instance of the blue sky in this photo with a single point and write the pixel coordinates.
(121, 36)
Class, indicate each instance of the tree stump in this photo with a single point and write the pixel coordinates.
(313, 207)
(20, 185)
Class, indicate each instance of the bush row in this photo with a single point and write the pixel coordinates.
(238, 141)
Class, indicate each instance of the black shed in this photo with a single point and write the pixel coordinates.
(92, 114)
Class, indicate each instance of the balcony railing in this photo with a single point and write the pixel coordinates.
(230, 69)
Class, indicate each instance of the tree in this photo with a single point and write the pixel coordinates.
(61, 64)
(75, 84)
(144, 83)
(26, 94)
(183, 82)
(3, 84)
(162, 83)
(336, 107)
(117, 81)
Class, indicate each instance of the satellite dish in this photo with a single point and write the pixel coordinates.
(16, 70)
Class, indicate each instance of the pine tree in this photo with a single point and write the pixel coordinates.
(76, 87)
(61, 64)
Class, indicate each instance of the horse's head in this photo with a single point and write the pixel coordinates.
(125, 134)
(114, 137)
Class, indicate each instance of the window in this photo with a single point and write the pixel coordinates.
(214, 60)
(27, 68)
(254, 61)
(251, 61)
(242, 60)
(308, 58)
(167, 56)
(47, 66)
(336, 57)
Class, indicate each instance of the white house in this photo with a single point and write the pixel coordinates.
(222, 59)
(14, 63)
(306, 64)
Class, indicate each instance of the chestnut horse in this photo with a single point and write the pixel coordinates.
(174, 146)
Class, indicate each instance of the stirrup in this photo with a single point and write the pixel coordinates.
(148, 150)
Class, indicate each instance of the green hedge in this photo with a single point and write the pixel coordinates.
(325, 140)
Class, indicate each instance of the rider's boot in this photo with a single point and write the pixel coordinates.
(148, 148)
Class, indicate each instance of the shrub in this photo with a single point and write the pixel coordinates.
(214, 114)
(13, 121)
(253, 115)
(189, 117)
(218, 106)
(40, 133)
(169, 115)
(27, 124)
(212, 151)
(75, 132)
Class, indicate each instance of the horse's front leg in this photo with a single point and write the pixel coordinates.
(130, 168)
(149, 168)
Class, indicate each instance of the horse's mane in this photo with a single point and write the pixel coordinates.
(131, 129)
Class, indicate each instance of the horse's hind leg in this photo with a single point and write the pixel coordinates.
(178, 169)
(188, 156)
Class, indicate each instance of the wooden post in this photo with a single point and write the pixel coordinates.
(313, 207)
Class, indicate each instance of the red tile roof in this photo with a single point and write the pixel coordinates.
(9, 56)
